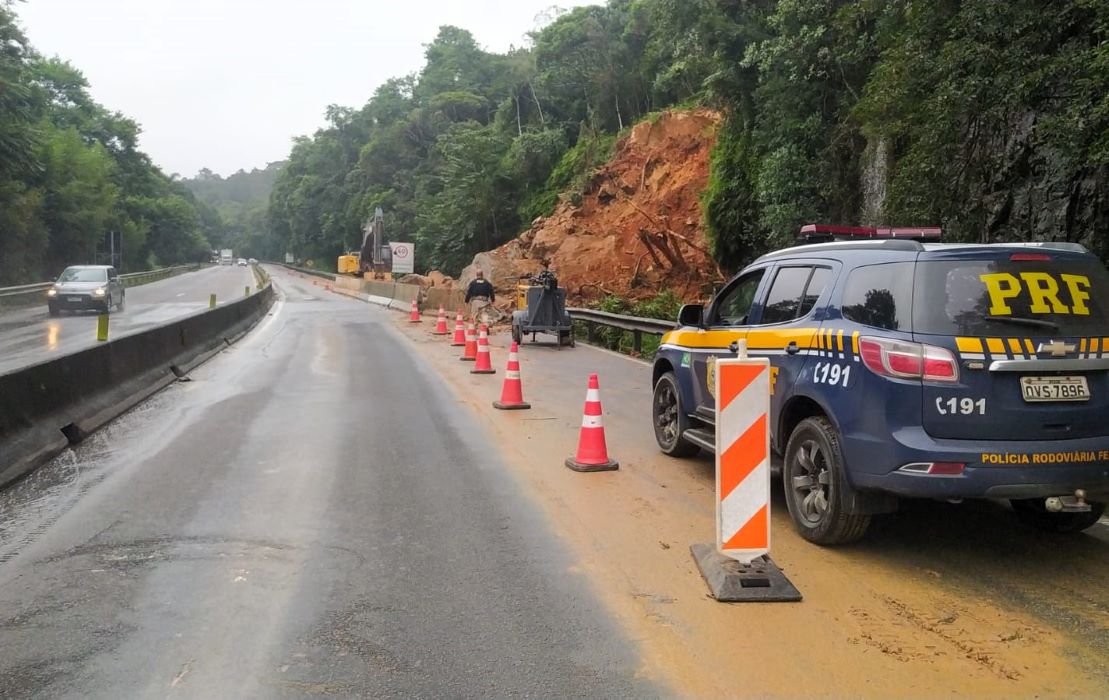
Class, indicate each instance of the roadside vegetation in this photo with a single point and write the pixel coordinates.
(663, 305)
(71, 172)
(987, 118)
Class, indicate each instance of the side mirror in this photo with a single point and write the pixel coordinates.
(691, 315)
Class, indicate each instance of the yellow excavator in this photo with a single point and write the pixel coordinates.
(375, 260)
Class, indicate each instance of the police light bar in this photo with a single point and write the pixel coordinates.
(824, 232)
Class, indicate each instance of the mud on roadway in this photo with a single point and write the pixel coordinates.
(939, 600)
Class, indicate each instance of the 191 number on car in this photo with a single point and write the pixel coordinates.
(965, 406)
(833, 374)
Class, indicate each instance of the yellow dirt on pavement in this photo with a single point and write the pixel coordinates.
(938, 601)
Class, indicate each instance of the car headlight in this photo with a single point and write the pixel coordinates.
(51, 292)
(98, 292)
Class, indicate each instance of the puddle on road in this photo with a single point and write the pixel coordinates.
(29, 507)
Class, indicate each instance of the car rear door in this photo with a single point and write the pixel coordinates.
(1030, 330)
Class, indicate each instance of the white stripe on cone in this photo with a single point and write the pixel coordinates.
(591, 422)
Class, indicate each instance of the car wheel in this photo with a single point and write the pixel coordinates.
(122, 303)
(1032, 512)
(670, 419)
(517, 336)
(54, 311)
(813, 474)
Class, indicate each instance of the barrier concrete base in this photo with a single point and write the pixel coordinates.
(729, 581)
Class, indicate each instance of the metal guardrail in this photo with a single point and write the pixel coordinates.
(131, 279)
(636, 325)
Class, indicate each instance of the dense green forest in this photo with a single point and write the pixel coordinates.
(234, 211)
(988, 117)
(71, 173)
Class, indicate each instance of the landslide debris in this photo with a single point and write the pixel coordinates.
(635, 230)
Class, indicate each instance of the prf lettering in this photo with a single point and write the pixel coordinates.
(1043, 290)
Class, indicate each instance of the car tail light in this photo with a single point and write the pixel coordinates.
(1029, 256)
(904, 360)
(935, 468)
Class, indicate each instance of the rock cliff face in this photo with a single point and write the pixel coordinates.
(637, 227)
(1035, 195)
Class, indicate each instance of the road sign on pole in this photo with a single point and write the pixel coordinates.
(404, 257)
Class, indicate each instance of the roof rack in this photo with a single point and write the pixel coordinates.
(822, 233)
(1051, 245)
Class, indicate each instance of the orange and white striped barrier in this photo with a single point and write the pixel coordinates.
(459, 332)
(484, 363)
(736, 566)
(441, 323)
(592, 453)
(414, 315)
(743, 457)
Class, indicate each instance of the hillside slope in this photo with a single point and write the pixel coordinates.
(637, 229)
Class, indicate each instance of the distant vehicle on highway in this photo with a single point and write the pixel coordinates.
(241, 262)
(905, 367)
(226, 257)
(82, 287)
(253, 261)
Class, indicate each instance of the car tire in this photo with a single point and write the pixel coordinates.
(122, 303)
(517, 336)
(1032, 511)
(813, 479)
(54, 311)
(669, 418)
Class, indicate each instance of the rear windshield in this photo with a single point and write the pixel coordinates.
(84, 274)
(1009, 297)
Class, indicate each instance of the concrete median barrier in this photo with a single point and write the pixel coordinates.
(394, 295)
(49, 405)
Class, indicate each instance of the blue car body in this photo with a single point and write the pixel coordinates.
(1010, 342)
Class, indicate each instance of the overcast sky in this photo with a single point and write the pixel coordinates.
(225, 84)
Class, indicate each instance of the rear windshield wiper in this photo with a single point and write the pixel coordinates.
(1021, 321)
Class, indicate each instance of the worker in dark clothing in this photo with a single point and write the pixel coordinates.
(480, 296)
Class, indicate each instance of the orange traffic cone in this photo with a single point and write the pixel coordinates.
(592, 454)
(459, 332)
(512, 391)
(484, 364)
(441, 323)
(469, 353)
(414, 317)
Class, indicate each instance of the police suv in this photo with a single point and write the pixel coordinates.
(901, 366)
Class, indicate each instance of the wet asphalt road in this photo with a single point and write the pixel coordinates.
(311, 515)
(30, 335)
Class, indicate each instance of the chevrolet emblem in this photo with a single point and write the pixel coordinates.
(1057, 348)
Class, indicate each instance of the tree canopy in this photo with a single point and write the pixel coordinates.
(987, 118)
(71, 175)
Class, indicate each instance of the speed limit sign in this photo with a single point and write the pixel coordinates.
(404, 257)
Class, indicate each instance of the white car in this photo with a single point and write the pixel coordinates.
(242, 262)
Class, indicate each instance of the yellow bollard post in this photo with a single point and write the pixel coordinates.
(211, 301)
(102, 327)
